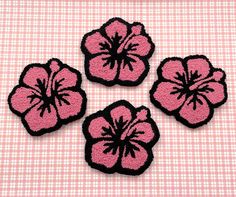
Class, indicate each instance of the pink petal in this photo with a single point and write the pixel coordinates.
(100, 67)
(37, 121)
(94, 43)
(116, 28)
(121, 113)
(169, 95)
(139, 45)
(132, 72)
(23, 98)
(98, 127)
(214, 91)
(69, 103)
(65, 79)
(100, 154)
(142, 131)
(172, 69)
(199, 66)
(34, 75)
(136, 161)
(197, 113)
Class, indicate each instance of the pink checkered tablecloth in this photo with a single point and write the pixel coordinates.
(199, 162)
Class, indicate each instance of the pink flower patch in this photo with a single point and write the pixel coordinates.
(189, 89)
(48, 95)
(117, 53)
(120, 139)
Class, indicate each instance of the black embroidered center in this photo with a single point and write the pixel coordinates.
(117, 56)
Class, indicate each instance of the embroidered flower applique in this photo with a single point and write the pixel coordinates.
(120, 139)
(48, 95)
(117, 53)
(189, 89)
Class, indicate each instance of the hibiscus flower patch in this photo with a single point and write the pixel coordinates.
(120, 139)
(189, 89)
(48, 95)
(117, 53)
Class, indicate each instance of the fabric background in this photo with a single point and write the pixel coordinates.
(187, 162)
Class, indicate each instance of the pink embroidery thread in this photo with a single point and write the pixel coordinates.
(120, 139)
(48, 95)
(189, 89)
(117, 53)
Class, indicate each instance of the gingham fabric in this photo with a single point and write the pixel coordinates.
(187, 162)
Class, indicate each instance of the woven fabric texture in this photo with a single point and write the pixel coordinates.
(186, 162)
